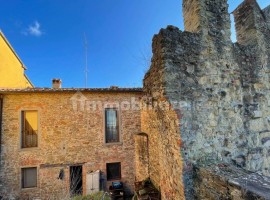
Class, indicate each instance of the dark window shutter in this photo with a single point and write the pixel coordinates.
(29, 177)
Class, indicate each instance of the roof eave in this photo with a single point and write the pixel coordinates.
(67, 90)
(29, 80)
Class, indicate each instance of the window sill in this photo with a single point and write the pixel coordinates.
(29, 149)
(32, 188)
(113, 143)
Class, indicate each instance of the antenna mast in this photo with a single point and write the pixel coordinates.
(86, 60)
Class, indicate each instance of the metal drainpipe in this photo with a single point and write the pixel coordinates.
(1, 117)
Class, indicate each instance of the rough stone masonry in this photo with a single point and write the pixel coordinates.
(216, 145)
(223, 87)
(69, 135)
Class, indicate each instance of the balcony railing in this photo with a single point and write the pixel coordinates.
(112, 134)
(29, 138)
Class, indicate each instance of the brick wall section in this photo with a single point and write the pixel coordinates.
(66, 138)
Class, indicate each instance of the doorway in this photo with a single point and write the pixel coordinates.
(76, 180)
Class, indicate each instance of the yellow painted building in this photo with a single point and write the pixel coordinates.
(11, 67)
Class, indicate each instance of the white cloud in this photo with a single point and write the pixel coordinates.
(34, 29)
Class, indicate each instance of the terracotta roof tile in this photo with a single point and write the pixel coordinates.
(51, 90)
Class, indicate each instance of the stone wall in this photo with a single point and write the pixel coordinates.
(67, 137)
(161, 125)
(223, 181)
(142, 156)
(165, 163)
(266, 12)
(205, 120)
(221, 88)
(253, 56)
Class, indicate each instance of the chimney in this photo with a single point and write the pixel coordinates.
(113, 87)
(56, 83)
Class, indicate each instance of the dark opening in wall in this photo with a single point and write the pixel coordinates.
(113, 171)
(61, 174)
(76, 180)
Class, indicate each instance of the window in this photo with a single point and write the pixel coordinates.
(29, 177)
(76, 183)
(111, 125)
(29, 128)
(113, 171)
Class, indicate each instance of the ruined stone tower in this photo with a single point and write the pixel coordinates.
(222, 87)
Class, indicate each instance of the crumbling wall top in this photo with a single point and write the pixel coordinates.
(210, 17)
(250, 19)
(266, 12)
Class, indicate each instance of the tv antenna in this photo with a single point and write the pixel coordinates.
(86, 60)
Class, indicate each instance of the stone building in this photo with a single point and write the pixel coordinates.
(202, 130)
(48, 135)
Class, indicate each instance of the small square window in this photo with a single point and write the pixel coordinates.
(29, 177)
(113, 171)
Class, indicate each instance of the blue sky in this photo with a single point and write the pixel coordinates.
(48, 35)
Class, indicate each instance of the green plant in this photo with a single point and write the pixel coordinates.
(95, 196)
